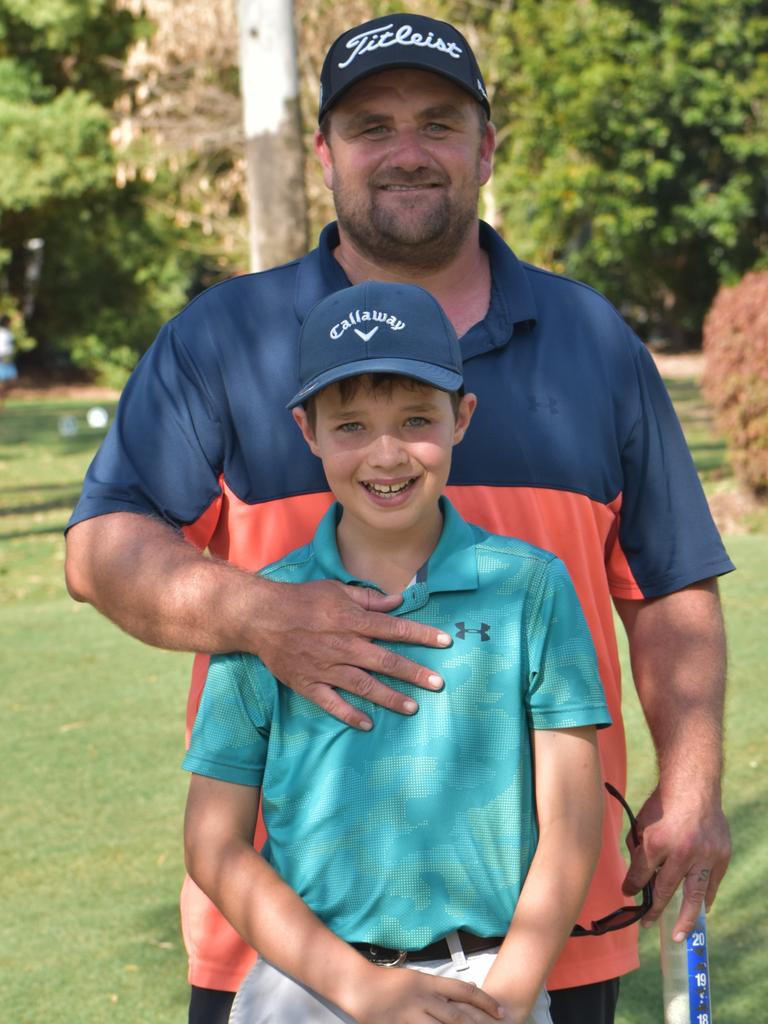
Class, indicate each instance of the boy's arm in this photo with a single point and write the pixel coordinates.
(218, 836)
(569, 804)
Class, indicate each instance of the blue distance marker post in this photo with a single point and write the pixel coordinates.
(685, 969)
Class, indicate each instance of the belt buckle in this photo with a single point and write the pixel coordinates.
(378, 957)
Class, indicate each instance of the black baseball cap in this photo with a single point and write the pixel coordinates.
(375, 327)
(399, 41)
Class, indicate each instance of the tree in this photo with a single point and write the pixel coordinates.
(633, 145)
(101, 275)
(277, 210)
(180, 128)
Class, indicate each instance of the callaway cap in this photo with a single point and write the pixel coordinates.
(399, 41)
(377, 328)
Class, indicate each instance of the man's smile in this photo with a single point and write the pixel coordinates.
(408, 188)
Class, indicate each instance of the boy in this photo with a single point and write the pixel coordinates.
(418, 844)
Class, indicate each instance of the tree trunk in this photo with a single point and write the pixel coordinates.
(277, 212)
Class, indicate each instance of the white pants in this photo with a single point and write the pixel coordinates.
(267, 996)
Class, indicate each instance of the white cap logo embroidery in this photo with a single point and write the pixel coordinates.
(377, 38)
(358, 316)
(366, 335)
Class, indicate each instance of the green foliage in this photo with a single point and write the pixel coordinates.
(632, 153)
(736, 378)
(633, 140)
(55, 149)
(109, 274)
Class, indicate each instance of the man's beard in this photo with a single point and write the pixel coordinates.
(426, 239)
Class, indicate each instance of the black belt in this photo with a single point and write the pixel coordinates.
(386, 957)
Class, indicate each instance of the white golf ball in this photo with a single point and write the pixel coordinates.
(97, 418)
(678, 1010)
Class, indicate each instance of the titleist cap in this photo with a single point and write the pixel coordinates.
(377, 328)
(399, 41)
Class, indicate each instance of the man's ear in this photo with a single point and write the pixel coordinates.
(323, 153)
(464, 414)
(300, 415)
(487, 149)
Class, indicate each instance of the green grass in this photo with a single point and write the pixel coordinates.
(737, 930)
(90, 847)
(90, 820)
(708, 449)
(710, 453)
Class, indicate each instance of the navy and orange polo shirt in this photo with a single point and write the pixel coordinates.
(574, 448)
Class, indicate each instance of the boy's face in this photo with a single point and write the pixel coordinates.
(387, 454)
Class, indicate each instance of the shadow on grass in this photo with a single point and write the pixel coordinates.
(163, 923)
(38, 424)
(23, 488)
(683, 390)
(163, 954)
(711, 459)
(65, 501)
(63, 497)
(33, 532)
(51, 441)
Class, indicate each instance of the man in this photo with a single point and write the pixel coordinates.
(576, 449)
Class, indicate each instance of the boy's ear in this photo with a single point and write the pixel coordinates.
(300, 415)
(464, 414)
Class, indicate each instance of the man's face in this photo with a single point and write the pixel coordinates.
(405, 158)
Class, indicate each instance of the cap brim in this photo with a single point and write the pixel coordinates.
(456, 79)
(427, 373)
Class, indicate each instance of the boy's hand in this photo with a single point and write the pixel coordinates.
(316, 636)
(401, 996)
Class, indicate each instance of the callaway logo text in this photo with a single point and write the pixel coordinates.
(375, 39)
(358, 317)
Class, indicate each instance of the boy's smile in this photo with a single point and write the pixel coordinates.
(387, 455)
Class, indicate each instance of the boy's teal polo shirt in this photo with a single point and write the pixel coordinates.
(426, 823)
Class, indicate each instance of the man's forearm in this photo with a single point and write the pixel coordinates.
(148, 580)
(677, 650)
(678, 657)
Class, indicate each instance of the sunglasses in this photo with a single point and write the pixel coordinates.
(624, 916)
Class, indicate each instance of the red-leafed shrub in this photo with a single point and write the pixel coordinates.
(736, 374)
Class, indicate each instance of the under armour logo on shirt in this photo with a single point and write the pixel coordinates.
(462, 629)
(541, 403)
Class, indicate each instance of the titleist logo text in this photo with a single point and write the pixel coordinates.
(378, 38)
